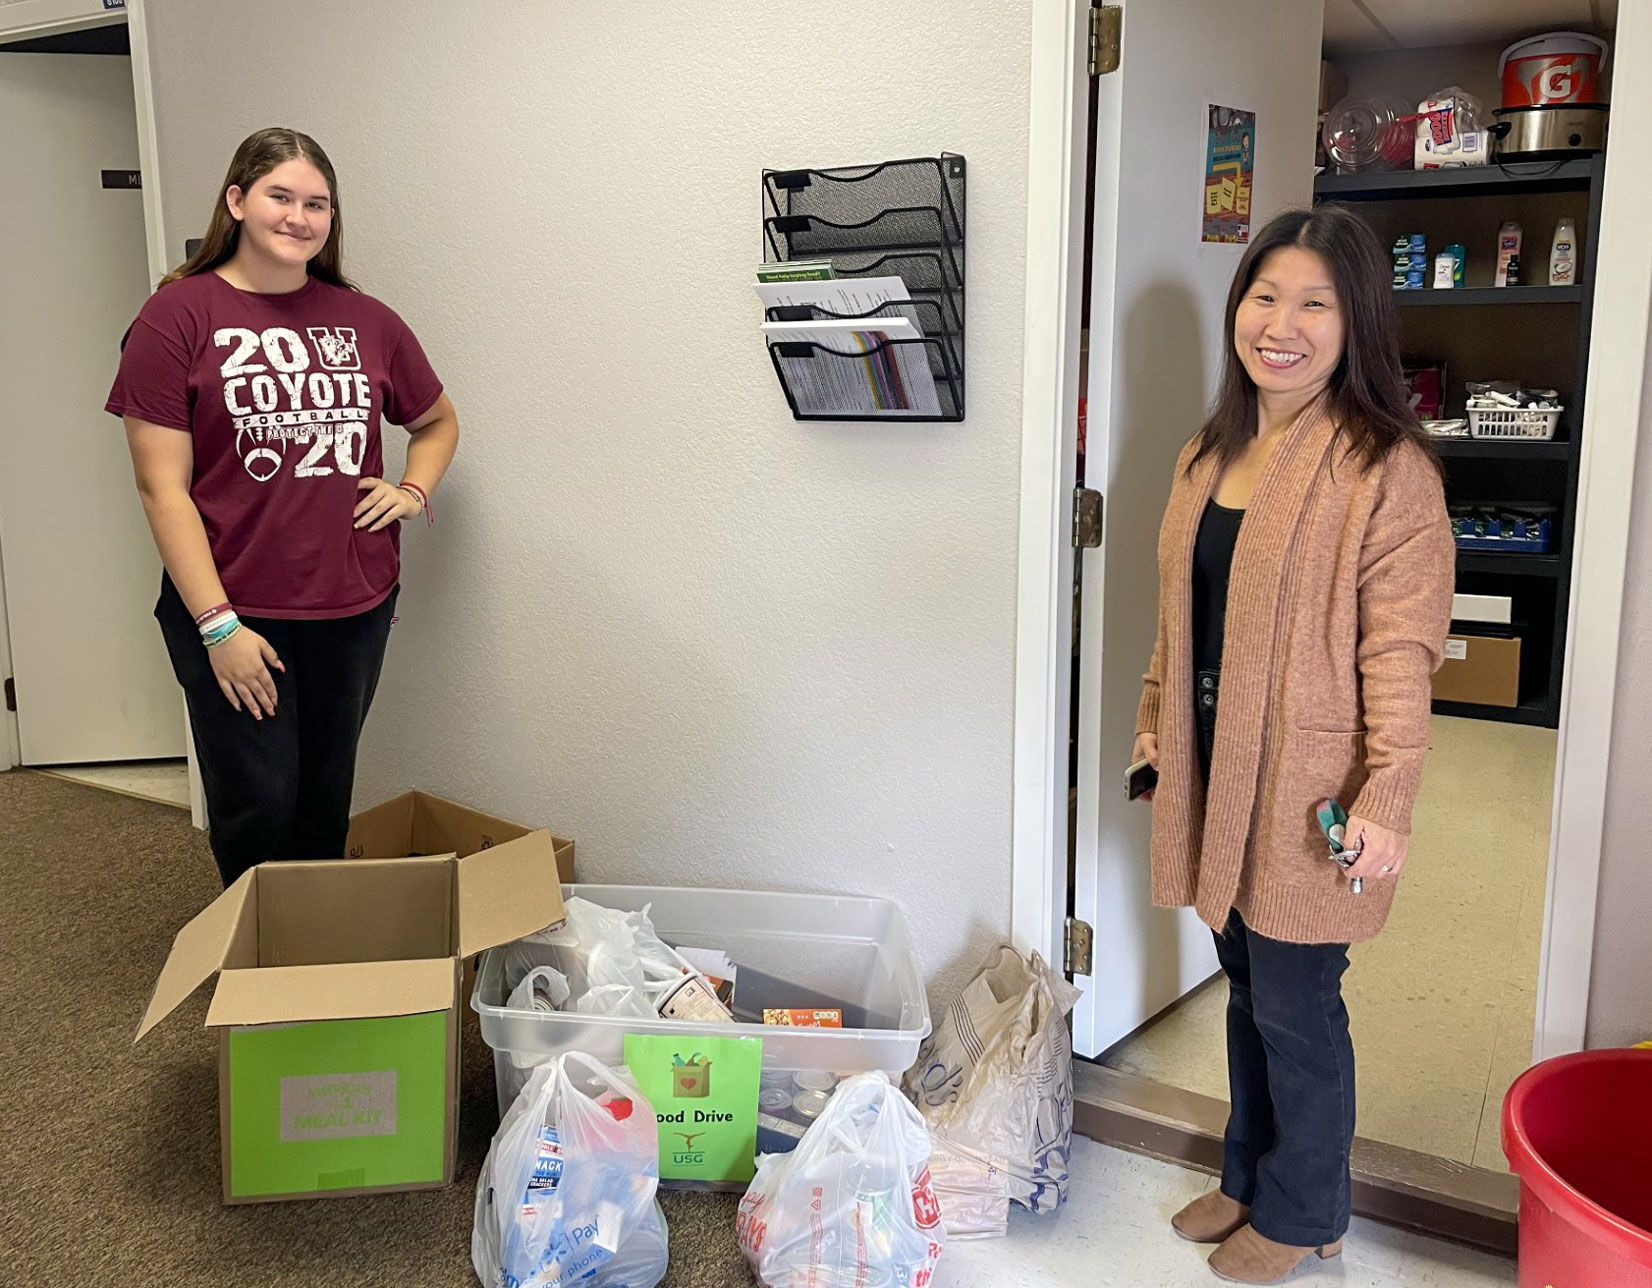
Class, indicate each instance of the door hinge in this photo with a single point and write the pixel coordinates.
(1076, 956)
(1086, 518)
(1106, 38)
(11, 694)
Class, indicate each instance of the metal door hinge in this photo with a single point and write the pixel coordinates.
(11, 694)
(1076, 958)
(1106, 38)
(1086, 518)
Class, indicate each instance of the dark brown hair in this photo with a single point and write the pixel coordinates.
(259, 154)
(1367, 393)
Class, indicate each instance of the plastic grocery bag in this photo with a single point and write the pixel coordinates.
(544, 988)
(566, 1195)
(613, 963)
(852, 1205)
(973, 1190)
(996, 1079)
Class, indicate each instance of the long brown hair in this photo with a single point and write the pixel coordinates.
(1367, 393)
(258, 154)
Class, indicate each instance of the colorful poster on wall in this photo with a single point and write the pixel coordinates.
(1230, 161)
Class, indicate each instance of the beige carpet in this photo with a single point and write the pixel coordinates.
(110, 1151)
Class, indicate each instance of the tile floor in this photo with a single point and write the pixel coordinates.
(166, 781)
(1114, 1233)
(1444, 1000)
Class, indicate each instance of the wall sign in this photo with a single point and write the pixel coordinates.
(122, 178)
(1230, 160)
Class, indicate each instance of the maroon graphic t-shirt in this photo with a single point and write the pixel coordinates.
(283, 396)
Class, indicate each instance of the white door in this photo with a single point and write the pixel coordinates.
(80, 571)
(1155, 355)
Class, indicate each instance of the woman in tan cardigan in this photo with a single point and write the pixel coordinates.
(1305, 589)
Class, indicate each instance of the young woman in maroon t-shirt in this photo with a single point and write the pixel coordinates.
(252, 385)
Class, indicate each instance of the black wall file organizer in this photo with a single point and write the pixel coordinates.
(898, 219)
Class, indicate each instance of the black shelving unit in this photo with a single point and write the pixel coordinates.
(1508, 450)
(1573, 175)
(1514, 563)
(1476, 319)
(1462, 297)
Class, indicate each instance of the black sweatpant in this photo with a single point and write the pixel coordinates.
(279, 788)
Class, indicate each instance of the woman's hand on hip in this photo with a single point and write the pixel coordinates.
(1382, 852)
(382, 504)
(242, 664)
(1146, 748)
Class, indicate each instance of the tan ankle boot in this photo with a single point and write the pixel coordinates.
(1210, 1218)
(1247, 1258)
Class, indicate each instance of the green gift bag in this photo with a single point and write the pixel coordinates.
(691, 1081)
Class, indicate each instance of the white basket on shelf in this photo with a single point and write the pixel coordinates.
(1529, 423)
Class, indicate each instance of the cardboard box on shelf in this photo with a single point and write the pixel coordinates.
(337, 1001)
(1480, 668)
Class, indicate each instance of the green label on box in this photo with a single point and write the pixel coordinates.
(704, 1093)
(337, 1104)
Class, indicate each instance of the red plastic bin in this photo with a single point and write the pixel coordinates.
(1577, 1131)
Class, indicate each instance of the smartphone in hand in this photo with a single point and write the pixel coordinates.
(1140, 779)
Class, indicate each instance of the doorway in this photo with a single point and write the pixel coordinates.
(1533, 968)
(88, 681)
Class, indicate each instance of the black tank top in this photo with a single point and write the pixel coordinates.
(1212, 558)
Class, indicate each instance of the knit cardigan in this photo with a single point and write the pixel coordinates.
(1338, 604)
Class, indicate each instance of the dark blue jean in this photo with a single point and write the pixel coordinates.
(1290, 1085)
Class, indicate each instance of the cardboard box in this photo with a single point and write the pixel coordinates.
(1480, 668)
(338, 1000)
(826, 1018)
(419, 823)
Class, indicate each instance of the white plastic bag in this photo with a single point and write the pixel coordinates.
(996, 1078)
(566, 1195)
(972, 1188)
(544, 988)
(614, 964)
(852, 1205)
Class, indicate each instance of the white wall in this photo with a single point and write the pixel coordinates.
(714, 645)
(1620, 991)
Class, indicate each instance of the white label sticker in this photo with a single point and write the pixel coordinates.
(331, 1106)
(1457, 650)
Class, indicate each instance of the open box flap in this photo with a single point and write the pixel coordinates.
(383, 832)
(354, 991)
(202, 947)
(442, 825)
(508, 891)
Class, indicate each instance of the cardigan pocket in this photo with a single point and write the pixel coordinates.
(1314, 765)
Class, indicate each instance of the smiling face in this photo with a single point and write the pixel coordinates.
(1288, 331)
(286, 216)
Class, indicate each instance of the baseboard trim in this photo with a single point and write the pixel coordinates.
(1399, 1187)
(70, 777)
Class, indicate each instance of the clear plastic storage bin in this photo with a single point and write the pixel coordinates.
(791, 950)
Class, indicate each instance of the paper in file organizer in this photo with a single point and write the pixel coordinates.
(887, 380)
